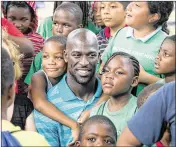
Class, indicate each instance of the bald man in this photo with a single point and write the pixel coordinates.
(77, 91)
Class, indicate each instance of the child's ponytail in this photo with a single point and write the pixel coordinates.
(164, 9)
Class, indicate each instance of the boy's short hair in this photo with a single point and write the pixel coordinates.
(7, 71)
(97, 119)
(60, 39)
(147, 92)
(73, 9)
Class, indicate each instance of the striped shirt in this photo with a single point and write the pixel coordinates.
(65, 100)
(103, 39)
(38, 43)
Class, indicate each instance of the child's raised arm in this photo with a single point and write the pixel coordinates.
(40, 102)
(147, 78)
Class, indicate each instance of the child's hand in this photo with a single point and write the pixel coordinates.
(85, 115)
(75, 134)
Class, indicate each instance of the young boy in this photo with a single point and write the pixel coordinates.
(143, 37)
(119, 76)
(22, 15)
(97, 131)
(165, 60)
(113, 16)
(53, 70)
(67, 17)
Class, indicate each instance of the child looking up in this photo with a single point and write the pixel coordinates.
(67, 17)
(113, 16)
(165, 60)
(22, 15)
(119, 76)
(143, 37)
(97, 131)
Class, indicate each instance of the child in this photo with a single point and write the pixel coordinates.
(54, 67)
(165, 60)
(67, 17)
(119, 76)
(22, 14)
(20, 112)
(45, 27)
(113, 16)
(95, 22)
(143, 37)
(13, 135)
(142, 97)
(97, 131)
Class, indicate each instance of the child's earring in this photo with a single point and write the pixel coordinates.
(80, 26)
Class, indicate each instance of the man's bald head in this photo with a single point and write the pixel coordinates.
(83, 36)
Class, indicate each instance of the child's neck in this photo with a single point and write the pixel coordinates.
(170, 78)
(118, 102)
(113, 30)
(143, 31)
(54, 81)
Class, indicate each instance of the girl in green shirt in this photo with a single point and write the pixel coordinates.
(119, 75)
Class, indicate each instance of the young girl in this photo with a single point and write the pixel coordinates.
(22, 15)
(143, 37)
(165, 60)
(119, 76)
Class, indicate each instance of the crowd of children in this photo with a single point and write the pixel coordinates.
(84, 76)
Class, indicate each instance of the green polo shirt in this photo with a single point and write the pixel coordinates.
(45, 28)
(144, 49)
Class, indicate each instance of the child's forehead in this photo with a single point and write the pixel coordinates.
(64, 11)
(13, 7)
(121, 59)
(168, 45)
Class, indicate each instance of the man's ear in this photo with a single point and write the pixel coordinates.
(80, 26)
(154, 18)
(77, 144)
(65, 56)
(11, 94)
(135, 81)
